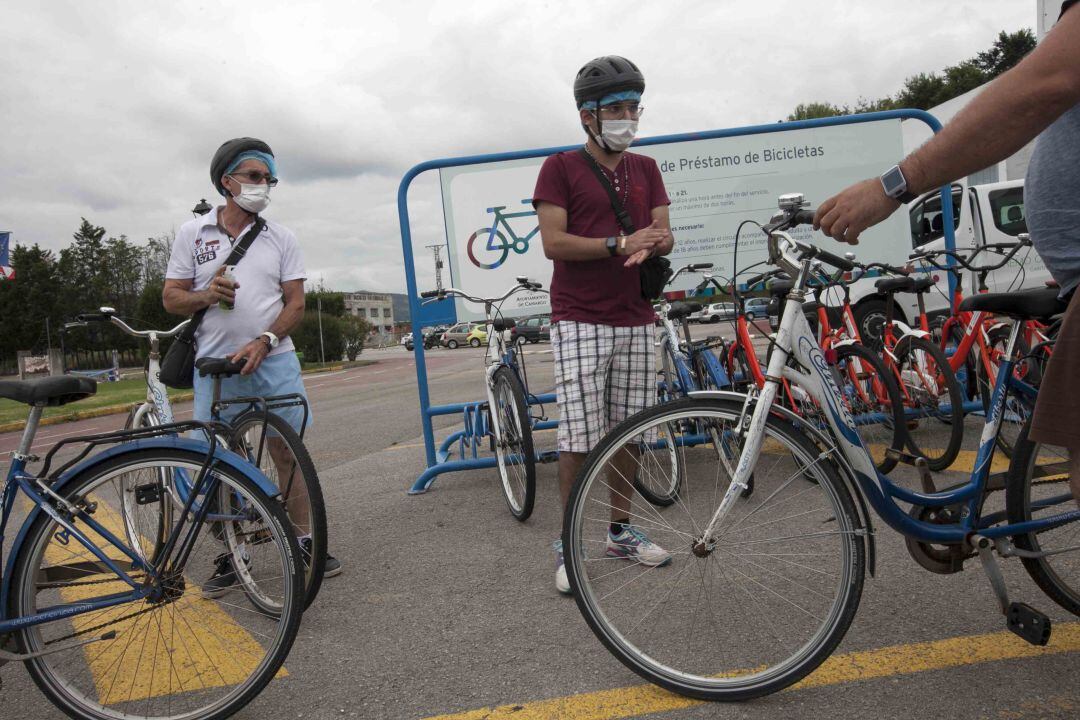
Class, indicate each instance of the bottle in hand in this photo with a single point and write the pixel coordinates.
(229, 275)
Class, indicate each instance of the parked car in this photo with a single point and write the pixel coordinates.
(715, 312)
(477, 336)
(757, 307)
(531, 329)
(457, 335)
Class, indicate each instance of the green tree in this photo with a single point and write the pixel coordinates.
(333, 303)
(124, 263)
(82, 271)
(809, 111)
(28, 301)
(306, 337)
(156, 257)
(927, 90)
(355, 329)
(1007, 50)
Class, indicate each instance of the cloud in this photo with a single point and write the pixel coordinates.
(112, 111)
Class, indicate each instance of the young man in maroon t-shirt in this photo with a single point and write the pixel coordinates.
(602, 327)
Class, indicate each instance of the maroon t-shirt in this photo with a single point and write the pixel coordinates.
(602, 292)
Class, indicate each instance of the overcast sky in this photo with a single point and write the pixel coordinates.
(112, 110)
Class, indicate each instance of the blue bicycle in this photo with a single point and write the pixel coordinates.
(100, 595)
(761, 589)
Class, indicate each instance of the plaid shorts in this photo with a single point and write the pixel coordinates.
(603, 375)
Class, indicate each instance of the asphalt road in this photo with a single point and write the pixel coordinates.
(447, 604)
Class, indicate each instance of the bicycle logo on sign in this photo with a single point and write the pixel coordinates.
(488, 247)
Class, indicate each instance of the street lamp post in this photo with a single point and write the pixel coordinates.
(201, 208)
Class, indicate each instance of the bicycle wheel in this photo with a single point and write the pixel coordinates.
(659, 481)
(873, 398)
(745, 612)
(1027, 369)
(143, 497)
(1038, 488)
(281, 455)
(965, 375)
(512, 430)
(739, 372)
(933, 401)
(175, 654)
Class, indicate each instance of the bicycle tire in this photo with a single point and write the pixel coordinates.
(971, 361)
(316, 526)
(930, 367)
(514, 449)
(862, 399)
(129, 501)
(81, 695)
(1016, 411)
(706, 679)
(662, 487)
(740, 369)
(1056, 575)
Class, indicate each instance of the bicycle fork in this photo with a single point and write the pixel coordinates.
(755, 437)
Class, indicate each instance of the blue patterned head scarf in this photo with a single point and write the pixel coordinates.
(267, 160)
(624, 96)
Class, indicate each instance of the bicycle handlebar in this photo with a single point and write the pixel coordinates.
(106, 314)
(927, 256)
(523, 283)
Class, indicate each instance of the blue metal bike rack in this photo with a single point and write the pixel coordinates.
(467, 438)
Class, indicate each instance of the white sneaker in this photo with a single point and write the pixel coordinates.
(632, 544)
(562, 584)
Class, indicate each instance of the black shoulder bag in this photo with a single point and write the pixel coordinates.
(178, 365)
(656, 271)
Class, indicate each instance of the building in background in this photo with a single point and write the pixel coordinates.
(376, 308)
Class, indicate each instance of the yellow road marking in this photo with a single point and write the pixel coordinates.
(852, 667)
(206, 647)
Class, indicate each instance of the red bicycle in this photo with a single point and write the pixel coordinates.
(975, 342)
(871, 396)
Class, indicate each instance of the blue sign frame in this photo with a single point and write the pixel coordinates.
(439, 462)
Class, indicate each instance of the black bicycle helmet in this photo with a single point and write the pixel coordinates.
(228, 152)
(606, 75)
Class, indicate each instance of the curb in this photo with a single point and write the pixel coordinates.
(86, 414)
(117, 409)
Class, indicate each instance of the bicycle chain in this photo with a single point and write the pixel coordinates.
(80, 583)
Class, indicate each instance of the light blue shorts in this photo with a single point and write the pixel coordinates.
(277, 375)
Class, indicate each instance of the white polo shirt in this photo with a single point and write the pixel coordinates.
(274, 257)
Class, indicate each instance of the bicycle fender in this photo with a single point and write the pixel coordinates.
(847, 473)
(915, 333)
(223, 455)
(845, 342)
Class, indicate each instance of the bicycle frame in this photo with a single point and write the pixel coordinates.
(795, 339)
(46, 497)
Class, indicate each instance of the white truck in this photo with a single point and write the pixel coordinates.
(990, 213)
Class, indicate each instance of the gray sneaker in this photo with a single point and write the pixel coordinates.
(562, 583)
(333, 565)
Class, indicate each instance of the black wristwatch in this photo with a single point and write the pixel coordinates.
(612, 245)
(895, 186)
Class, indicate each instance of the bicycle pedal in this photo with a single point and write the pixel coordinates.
(1028, 623)
(147, 494)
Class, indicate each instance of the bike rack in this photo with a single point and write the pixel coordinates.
(474, 423)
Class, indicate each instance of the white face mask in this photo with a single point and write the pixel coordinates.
(253, 197)
(616, 135)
